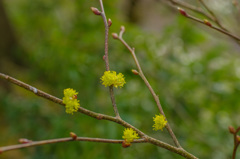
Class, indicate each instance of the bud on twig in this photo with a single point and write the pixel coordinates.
(125, 144)
(231, 130)
(104, 57)
(24, 141)
(182, 11)
(238, 138)
(122, 28)
(75, 97)
(135, 72)
(95, 11)
(109, 22)
(73, 135)
(115, 35)
(207, 22)
(0, 151)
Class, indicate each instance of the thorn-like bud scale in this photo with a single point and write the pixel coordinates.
(95, 11)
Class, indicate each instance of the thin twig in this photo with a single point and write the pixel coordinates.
(99, 116)
(183, 4)
(209, 25)
(141, 74)
(236, 143)
(111, 91)
(214, 17)
(52, 141)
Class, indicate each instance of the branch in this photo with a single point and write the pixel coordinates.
(141, 74)
(107, 25)
(214, 17)
(99, 116)
(52, 141)
(209, 25)
(190, 7)
(236, 139)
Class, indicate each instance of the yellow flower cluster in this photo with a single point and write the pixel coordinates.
(111, 78)
(129, 134)
(159, 122)
(70, 100)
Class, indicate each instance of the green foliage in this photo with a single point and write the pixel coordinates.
(195, 75)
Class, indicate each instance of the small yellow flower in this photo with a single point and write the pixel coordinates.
(70, 100)
(129, 134)
(159, 122)
(111, 78)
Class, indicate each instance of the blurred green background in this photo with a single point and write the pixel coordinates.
(53, 45)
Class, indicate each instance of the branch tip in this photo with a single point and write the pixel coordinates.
(122, 28)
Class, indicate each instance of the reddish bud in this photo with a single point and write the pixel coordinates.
(0, 151)
(109, 22)
(122, 28)
(104, 57)
(95, 11)
(73, 135)
(75, 97)
(135, 72)
(24, 141)
(231, 130)
(115, 35)
(207, 22)
(182, 11)
(125, 144)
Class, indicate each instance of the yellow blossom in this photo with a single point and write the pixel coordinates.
(129, 134)
(159, 122)
(111, 78)
(70, 100)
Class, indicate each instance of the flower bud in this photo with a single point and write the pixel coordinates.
(73, 135)
(238, 138)
(95, 11)
(24, 141)
(115, 35)
(122, 28)
(0, 151)
(104, 57)
(182, 11)
(125, 144)
(109, 22)
(207, 22)
(231, 130)
(135, 72)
